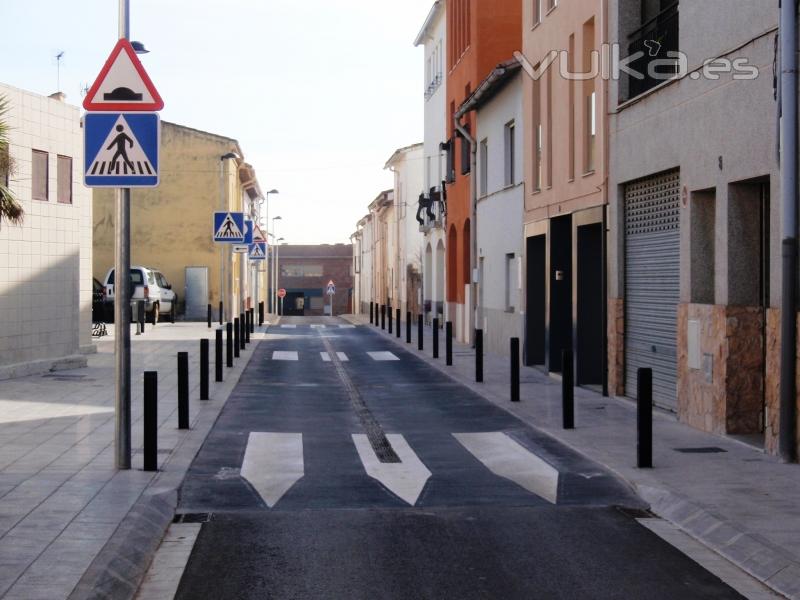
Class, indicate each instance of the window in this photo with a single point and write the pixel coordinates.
(537, 132)
(660, 22)
(451, 162)
(589, 100)
(549, 127)
(551, 4)
(511, 281)
(510, 157)
(537, 12)
(591, 130)
(484, 175)
(466, 158)
(301, 270)
(571, 84)
(39, 176)
(64, 179)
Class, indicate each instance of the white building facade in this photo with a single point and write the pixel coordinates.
(45, 263)
(433, 37)
(500, 180)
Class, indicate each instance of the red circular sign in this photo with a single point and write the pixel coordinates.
(281, 293)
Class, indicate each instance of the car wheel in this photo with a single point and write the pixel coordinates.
(155, 314)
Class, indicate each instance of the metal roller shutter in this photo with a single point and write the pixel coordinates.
(652, 283)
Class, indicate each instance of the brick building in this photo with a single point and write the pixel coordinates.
(305, 272)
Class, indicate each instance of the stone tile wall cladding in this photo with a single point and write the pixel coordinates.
(724, 396)
(616, 346)
(773, 378)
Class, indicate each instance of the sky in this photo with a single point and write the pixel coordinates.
(319, 93)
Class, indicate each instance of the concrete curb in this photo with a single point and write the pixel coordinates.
(121, 565)
(772, 566)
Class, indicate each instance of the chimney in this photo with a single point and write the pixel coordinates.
(60, 96)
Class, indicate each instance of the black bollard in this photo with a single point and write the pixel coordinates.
(448, 343)
(242, 332)
(247, 316)
(389, 310)
(371, 313)
(209, 316)
(515, 369)
(408, 327)
(204, 369)
(172, 311)
(252, 321)
(229, 345)
(567, 390)
(236, 330)
(644, 418)
(479, 355)
(397, 314)
(436, 338)
(150, 421)
(221, 322)
(141, 315)
(383, 316)
(218, 356)
(261, 314)
(183, 390)
(420, 333)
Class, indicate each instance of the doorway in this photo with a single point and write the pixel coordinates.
(196, 293)
(536, 296)
(590, 306)
(559, 330)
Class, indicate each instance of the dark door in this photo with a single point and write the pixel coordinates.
(590, 338)
(536, 294)
(559, 330)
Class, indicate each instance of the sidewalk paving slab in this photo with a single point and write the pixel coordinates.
(71, 525)
(740, 502)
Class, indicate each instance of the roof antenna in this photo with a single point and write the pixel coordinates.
(59, 56)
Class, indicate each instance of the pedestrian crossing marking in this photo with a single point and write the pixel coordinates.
(405, 479)
(121, 154)
(382, 356)
(273, 463)
(347, 326)
(507, 458)
(288, 326)
(327, 357)
(317, 326)
(229, 229)
(285, 355)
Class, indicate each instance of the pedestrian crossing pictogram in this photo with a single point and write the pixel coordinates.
(229, 227)
(258, 251)
(121, 149)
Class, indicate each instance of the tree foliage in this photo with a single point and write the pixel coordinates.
(10, 208)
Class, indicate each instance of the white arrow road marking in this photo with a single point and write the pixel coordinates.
(382, 356)
(284, 355)
(506, 458)
(273, 463)
(327, 357)
(405, 479)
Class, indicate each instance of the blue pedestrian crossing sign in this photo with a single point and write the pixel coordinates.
(248, 232)
(121, 149)
(258, 251)
(229, 227)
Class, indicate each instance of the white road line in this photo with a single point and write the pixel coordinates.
(169, 563)
(288, 326)
(317, 326)
(285, 355)
(382, 356)
(347, 326)
(327, 357)
(506, 458)
(729, 573)
(273, 463)
(405, 479)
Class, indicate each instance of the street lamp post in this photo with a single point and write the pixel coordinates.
(277, 266)
(274, 267)
(268, 297)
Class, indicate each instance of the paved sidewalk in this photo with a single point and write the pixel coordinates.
(742, 503)
(70, 524)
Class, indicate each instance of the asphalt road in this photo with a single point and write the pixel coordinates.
(364, 475)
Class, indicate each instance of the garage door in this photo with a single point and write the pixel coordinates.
(652, 283)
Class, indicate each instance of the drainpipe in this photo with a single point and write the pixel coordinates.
(787, 445)
(475, 282)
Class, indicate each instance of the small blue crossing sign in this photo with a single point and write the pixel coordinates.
(229, 227)
(258, 251)
(121, 149)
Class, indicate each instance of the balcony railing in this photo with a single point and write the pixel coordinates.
(656, 40)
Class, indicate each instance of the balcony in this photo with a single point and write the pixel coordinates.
(656, 41)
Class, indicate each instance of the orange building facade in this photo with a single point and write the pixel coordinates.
(479, 36)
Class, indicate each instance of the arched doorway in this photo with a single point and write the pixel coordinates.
(452, 263)
(439, 293)
(427, 281)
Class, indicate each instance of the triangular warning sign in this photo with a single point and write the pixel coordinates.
(123, 84)
(121, 154)
(228, 229)
(258, 235)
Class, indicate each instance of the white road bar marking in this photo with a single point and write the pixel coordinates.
(317, 326)
(289, 326)
(405, 479)
(382, 356)
(285, 355)
(273, 463)
(347, 326)
(327, 357)
(506, 458)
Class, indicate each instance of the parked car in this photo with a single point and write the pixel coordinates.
(98, 301)
(148, 285)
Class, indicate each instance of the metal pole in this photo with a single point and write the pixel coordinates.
(514, 369)
(204, 360)
(122, 315)
(567, 390)
(436, 338)
(787, 445)
(183, 390)
(420, 334)
(150, 421)
(479, 355)
(448, 343)
(644, 418)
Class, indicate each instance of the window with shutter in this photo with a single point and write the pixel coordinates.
(39, 176)
(64, 180)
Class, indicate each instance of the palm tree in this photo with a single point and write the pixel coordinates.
(10, 209)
